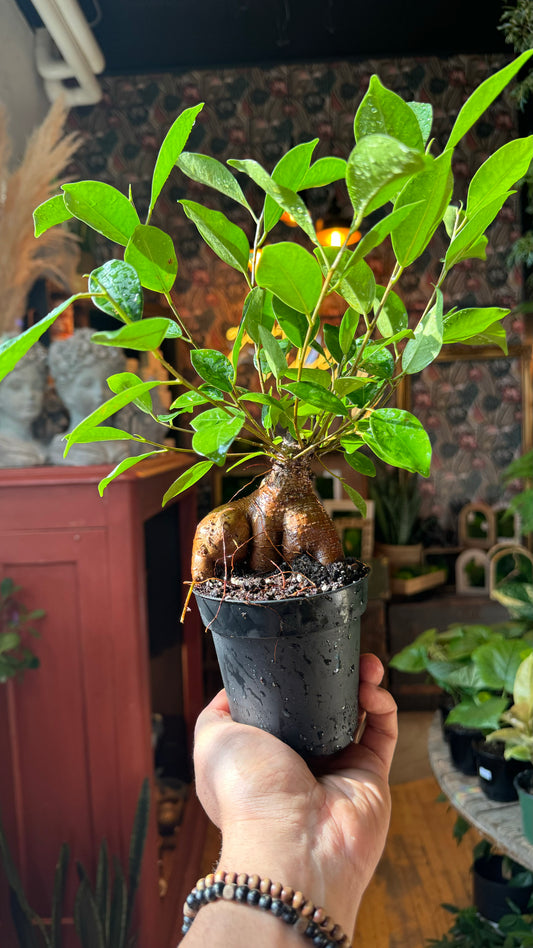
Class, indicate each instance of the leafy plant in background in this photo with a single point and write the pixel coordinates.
(397, 501)
(320, 387)
(515, 595)
(471, 930)
(517, 734)
(102, 912)
(16, 624)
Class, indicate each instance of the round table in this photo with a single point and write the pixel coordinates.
(501, 823)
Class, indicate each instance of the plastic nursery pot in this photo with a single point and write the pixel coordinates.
(291, 666)
(495, 773)
(524, 787)
(446, 703)
(492, 891)
(460, 741)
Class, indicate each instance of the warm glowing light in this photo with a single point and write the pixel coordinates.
(251, 258)
(335, 236)
(288, 219)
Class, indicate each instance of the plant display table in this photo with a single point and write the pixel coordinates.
(501, 823)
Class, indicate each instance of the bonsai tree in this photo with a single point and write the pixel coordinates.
(320, 387)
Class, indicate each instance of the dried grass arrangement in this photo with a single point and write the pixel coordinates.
(23, 259)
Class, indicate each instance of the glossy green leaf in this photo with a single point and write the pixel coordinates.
(186, 480)
(215, 433)
(225, 238)
(318, 397)
(355, 498)
(13, 350)
(103, 208)
(498, 661)
(293, 323)
(364, 395)
(433, 188)
(287, 199)
(383, 112)
(151, 252)
(424, 115)
(323, 172)
(289, 173)
(397, 437)
(171, 148)
(213, 367)
(358, 287)
(380, 231)
(427, 343)
(469, 235)
(331, 339)
(348, 329)
(361, 463)
(124, 466)
(347, 385)
(492, 336)
(108, 408)
(103, 433)
(292, 274)
(257, 311)
(273, 352)
(143, 336)
(375, 163)
(499, 173)
(316, 376)
(460, 325)
(49, 213)
(188, 401)
(393, 317)
(122, 283)
(123, 380)
(207, 170)
(523, 684)
(483, 96)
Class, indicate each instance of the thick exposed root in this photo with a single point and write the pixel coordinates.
(278, 521)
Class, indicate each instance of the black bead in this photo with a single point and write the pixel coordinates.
(199, 895)
(192, 901)
(265, 902)
(241, 893)
(219, 888)
(311, 930)
(277, 907)
(210, 894)
(187, 922)
(289, 915)
(331, 944)
(253, 897)
(320, 940)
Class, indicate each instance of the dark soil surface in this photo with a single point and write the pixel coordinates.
(304, 577)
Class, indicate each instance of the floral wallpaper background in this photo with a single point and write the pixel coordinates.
(473, 409)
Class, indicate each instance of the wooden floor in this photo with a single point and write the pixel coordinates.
(422, 866)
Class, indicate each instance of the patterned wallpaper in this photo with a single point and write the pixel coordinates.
(259, 113)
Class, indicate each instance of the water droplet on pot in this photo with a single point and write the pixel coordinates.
(286, 714)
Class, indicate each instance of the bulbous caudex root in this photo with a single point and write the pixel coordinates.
(280, 520)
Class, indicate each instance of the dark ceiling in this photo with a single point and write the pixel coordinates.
(139, 36)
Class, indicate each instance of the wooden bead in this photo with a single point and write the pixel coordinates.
(336, 933)
(253, 882)
(242, 878)
(231, 877)
(220, 876)
(200, 885)
(308, 910)
(318, 916)
(275, 890)
(189, 912)
(287, 893)
(210, 879)
(327, 925)
(264, 886)
(298, 900)
(228, 892)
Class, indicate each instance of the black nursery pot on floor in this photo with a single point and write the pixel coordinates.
(492, 891)
(496, 775)
(461, 743)
(291, 666)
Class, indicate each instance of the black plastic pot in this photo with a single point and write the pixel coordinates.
(492, 891)
(446, 703)
(291, 667)
(461, 743)
(496, 775)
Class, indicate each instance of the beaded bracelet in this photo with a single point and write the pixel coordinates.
(290, 906)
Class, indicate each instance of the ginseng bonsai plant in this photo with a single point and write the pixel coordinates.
(319, 387)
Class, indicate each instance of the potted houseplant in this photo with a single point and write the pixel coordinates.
(498, 880)
(319, 387)
(397, 514)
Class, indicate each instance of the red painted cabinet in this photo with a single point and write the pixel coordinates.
(75, 734)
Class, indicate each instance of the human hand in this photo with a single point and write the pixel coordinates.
(318, 829)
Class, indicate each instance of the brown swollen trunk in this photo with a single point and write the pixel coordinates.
(278, 521)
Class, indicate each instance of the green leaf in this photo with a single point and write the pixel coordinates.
(215, 433)
(103, 208)
(13, 350)
(187, 479)
(398, 438)
(257, 311)
(382, 112)
(498, 173)
(110, 407)
(433, 188)
(213, 367)
(358, 287)
(462, 324)
(331, 338)
(424, 116)
(318, 397)
(171, 148)
(355, 498)
(316, 376)
(427, 343)
(101, 890)
(375, 163)
(273, 352)
(497, 662)
(348, 329)
(492, 336)
(360, 463)
(104, 433)
(393, 317)
(293, 323)
(187, 401)
(151, 252)
(288, 200)
(49, 213)
(484, 715)
(225, 238)
(365, 394)
(123, 380)
(324, 171)
(143, 336)
(289, 172)
(377, 234)
(468, 237)
(292, 274)
(207, 170)
(376, 359)
(523, 684)
(9, 641)
(483, 96)
(124, 466)
(122, 282)
(87, 921)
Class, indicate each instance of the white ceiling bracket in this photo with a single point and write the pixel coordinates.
(67, 33)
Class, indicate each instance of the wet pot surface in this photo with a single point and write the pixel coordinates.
(291, 667)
